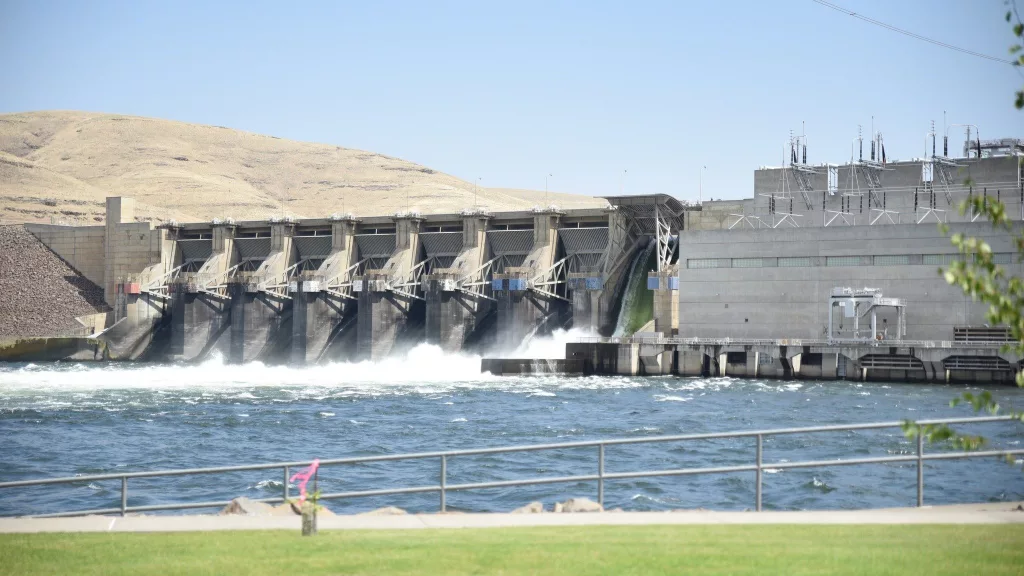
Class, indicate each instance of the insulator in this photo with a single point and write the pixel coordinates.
(945, 146)
(872, 150)
(805, 153)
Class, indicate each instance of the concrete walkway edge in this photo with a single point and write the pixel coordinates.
(997, 513)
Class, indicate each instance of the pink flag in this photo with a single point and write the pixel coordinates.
(303, 476)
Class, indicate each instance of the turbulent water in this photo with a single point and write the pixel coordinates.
(65, 420)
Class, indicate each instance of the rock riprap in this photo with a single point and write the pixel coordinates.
(578, 505)
(40, 294)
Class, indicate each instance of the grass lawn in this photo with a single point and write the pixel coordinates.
(930, 549)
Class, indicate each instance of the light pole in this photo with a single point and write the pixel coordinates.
(546, 189)
(700, 190)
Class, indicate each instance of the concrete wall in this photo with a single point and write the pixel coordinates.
(666, 306)
(261, 325)
(383, 315)
(199, 324)
(79, 246)
(317, 322)
(715, 215)
(319, 317)
(130, 246)
(119, 251)
(452, 316)
(770, 301)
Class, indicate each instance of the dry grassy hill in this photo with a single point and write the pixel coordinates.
(61, 165)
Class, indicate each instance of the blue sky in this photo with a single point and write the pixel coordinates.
(512, 91)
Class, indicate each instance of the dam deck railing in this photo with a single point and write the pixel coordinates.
(795, 342)
(598, 474)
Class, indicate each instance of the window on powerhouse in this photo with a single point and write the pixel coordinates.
(704, 263)
(747, 262)
(892, 260)
(940, 259)
(844, 261)
(794, 262)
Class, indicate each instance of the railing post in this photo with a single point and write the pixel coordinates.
(600, 474)
(920, 469)
(444, 475)
(124, 495)
(757, 494)
(285, 489)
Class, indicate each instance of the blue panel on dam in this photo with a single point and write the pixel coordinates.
(673, 283)
(594, 283)
(652, 283)
(498, 284)
(517, 284)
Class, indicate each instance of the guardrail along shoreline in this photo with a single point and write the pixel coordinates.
(597, 474)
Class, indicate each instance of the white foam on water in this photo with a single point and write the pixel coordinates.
(424, 364)
(664, 398)
(550, 347)
(542, 393)
(423, 370)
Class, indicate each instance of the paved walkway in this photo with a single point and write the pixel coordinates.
(999, 513)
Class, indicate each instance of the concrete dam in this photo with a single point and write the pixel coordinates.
(344, 288)
(827, 271)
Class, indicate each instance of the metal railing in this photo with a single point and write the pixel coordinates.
(795, 342)
(600, 477)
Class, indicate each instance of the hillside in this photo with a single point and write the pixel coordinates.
(60, 166)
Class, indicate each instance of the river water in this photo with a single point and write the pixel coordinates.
(77, 419)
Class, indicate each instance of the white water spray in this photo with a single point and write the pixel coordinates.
(424, 364)
(548, 347)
